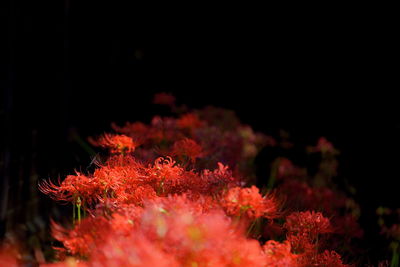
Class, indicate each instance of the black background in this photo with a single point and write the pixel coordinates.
(77, 67)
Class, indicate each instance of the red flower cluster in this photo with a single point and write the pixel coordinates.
(115, 143)
(309, 224)
(248, 202)
(184, 198)
(187, 148)
(279, 254)
(304, 229)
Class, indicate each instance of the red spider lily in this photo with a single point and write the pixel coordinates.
(301, 244)
(300, 195)
(137, 131)
(189, 121)
(195, 237)
(132, 250)
(120, 177)
(68, 262)
(175, 228)
(149, 209)
(248, 202)
(115, 143)
(135, 194)
(124, 223)
(307, 224)
(84, 238)
(187, 148)
(164, 130)
(219, 144)
(71, 188)
(279, 254)
(217, 180)
(166, 170)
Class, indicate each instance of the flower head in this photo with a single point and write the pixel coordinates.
(249, 202)
(279, 254)
(308, 224)
(189, 121)
(116, 143)
(187, 148)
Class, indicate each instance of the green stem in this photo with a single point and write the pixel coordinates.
(78, 205)
(395, 260)
(395, 257)
(251, 227)
(79, 213)
(273, 174)
(83, 144)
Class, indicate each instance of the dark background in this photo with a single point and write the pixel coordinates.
(70, 69)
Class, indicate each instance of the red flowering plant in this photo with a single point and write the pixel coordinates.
(180, 192)
(309, 192)
(115, 143)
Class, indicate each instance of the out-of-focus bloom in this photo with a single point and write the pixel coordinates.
(189, 121)
(217, 180)
(187, 148)
(164, 99)
(195, 238)
(279, 254)
(68, 262)
(8, 256)
(347, 226)
(137, 130)
(84, 238)
(132, 250)
(224, 119)
(392, 231)
(323, 146)
(115, 143)
(286, 169)
(249, 202)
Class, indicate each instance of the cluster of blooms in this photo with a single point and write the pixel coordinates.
(317, 192)
(198, 139)
(178, 192)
